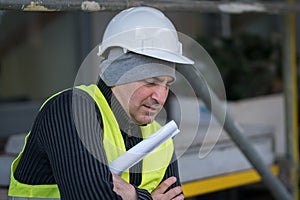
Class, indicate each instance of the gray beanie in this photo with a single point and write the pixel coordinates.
(120, 68)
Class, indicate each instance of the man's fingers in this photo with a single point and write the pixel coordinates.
(115, 179)
(174, 192)
(162, 192)
(166, 184)
(124, 189)
(179, 197)
(114, 176)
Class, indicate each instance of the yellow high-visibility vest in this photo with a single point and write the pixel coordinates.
(153, 168)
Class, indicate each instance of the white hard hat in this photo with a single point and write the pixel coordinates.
(145, 31)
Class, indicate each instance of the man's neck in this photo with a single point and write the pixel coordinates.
(124, 121)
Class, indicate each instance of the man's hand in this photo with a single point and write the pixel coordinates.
(124, 189)
(160, 192)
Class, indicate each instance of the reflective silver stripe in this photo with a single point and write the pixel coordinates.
(26, 198)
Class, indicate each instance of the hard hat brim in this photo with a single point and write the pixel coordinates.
(165, 55)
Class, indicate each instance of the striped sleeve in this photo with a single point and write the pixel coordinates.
(172, 170)
(71, 136)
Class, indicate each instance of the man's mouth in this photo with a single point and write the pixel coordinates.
(153, 108)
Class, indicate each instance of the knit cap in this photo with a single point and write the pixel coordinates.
(121, 68)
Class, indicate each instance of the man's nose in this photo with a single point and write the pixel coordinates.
(160, 93)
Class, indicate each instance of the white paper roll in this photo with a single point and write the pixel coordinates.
(139, 151)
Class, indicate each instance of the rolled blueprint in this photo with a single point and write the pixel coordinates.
(139, 151)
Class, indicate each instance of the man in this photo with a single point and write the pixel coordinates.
(78, 132)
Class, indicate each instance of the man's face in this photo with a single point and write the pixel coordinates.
(143, 100)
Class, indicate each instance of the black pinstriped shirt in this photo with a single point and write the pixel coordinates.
(65, 147)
